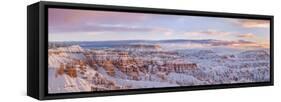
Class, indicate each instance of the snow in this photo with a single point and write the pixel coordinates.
(184, 80)
(64, 83)
(215, 65)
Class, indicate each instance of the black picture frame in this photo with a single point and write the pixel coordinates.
(37, 31)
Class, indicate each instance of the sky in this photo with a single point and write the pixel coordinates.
(90, 25)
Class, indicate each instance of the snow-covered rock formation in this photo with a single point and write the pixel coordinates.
(77, 69)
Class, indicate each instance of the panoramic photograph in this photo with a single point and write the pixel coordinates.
(92, 51)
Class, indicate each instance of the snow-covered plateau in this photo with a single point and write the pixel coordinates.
(101, 66)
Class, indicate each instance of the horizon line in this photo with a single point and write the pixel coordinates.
(131, 40)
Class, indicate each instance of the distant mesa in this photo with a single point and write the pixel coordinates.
(142, 46)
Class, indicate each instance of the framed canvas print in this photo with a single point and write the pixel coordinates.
(83, 50)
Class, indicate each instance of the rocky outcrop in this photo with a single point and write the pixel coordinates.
(133, 66)
(180, 67)
(108, 66)
(69, 70)
(106, 84)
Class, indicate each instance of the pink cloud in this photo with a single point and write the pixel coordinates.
(247, 35)
(71, 20)
(71, 17)
(208, 32)
(247, 23)
(240, 44)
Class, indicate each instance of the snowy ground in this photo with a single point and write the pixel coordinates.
(213, 66)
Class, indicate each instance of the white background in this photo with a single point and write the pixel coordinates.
(13, 51)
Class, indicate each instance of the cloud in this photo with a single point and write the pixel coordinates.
(208, 32)
(240, 44)
(229, 43)
(168, 33)
(71, 20)
(69, 17)
(247, 23)
(109, 28)
(247, 35)
(165, 31)
(100, 28)
(264, 44)
(247, 44)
